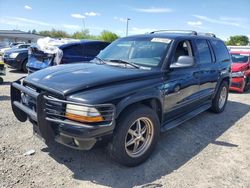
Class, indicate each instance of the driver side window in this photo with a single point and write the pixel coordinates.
(184, 48)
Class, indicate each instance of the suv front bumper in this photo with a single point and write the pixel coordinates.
(49, 127)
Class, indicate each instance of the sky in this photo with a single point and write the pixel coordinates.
(222, 17)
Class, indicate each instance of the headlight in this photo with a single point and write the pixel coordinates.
(83, 113)
(238, 74)
(13, 55)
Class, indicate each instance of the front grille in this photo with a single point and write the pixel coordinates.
(235, 84)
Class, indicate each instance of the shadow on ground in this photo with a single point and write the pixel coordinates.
(4, 98)
(175, 148)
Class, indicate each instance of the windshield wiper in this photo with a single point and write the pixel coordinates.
(124, 62)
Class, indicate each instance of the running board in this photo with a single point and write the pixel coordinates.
(184, 118)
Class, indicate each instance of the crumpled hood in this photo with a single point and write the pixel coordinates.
(66, 79)
(239, 66)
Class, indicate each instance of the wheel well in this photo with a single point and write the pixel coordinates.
(151, 103)
(227, 79)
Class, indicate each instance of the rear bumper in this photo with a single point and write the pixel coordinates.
(237, 84)
(72, 134)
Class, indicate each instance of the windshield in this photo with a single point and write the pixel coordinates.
(147, 52)
(240, 58)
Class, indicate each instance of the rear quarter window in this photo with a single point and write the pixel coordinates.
(221, 51)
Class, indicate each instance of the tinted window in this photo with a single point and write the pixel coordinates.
(221, 52)
(93, 49)
(74, 50)
(203, 51)
(240, 58)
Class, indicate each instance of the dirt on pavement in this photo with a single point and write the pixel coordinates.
(211, 150)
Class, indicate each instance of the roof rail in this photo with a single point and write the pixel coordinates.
(208, 34)
(175, 31)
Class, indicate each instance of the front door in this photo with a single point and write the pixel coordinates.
(181, 85)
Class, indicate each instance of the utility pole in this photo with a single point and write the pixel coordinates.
(127, 26)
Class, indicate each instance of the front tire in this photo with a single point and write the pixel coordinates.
(220, 100)
(135, 136)
(24, 66)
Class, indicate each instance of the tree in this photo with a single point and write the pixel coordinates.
(108, 36)
(55, 33)
(34, 31)
(81, 34)
(238, 40)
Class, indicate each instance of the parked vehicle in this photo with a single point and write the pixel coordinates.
(136, 88)
(17, 57)
(63, 53)
(2, 71)
(11, 45)
(240, 68)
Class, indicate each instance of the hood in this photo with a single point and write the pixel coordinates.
(66, 79)
(239, 66)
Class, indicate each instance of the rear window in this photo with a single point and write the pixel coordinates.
(240, 58)
(221, 51)
(74, 50)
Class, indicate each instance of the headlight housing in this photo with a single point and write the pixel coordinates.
(83, 113)
(238, 74)
(13, 55)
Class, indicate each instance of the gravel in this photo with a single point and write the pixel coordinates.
(210, 150)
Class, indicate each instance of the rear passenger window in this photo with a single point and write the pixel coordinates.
(203, 51)
(74, 50)
(92, 50)
(221, 51)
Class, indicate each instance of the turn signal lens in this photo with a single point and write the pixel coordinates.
(83, 113)
(87, 119)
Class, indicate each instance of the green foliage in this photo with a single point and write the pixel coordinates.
(55, 34)
(34, 31)
(108, 36)
(85, 34)
(238, 40)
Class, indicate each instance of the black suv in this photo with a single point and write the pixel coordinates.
(136, 88)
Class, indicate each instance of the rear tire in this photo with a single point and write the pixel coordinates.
(24, 66)
(135, 136)
(1, 80)
(220, 100)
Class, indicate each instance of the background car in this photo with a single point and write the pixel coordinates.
(240, 68)
(17, 57)
(6, 47)
(73, 52)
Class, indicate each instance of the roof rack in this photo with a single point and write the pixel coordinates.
(208, 34)
(175, 31)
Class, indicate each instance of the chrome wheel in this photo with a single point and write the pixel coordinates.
(223, 97)
(139, 137)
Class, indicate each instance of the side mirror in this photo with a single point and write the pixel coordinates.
(182, 62)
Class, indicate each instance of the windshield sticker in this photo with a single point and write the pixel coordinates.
(163, 40)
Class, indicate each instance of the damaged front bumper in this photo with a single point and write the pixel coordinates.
(46, 114)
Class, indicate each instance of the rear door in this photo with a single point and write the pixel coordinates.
(209, 68)
(73, 54)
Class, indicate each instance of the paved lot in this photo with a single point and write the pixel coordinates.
(208, 151)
